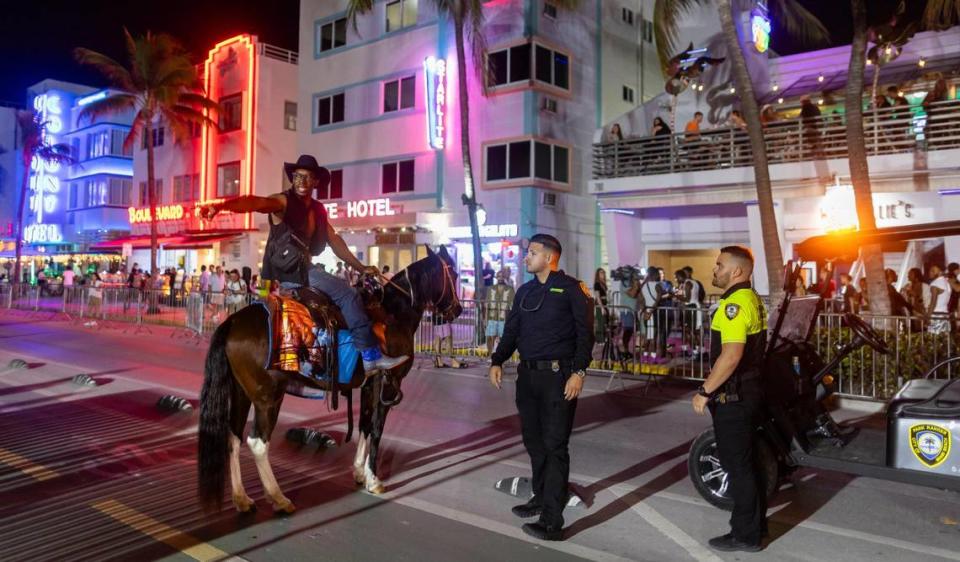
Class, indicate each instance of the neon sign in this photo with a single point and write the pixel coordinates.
(43, 184)
(362, 209)
(486, 231)
(760, 31)
(435, 73)
(166, 213)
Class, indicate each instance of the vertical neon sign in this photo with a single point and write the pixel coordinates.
(44, 185)
(760, 29)
(435, 74)
(208, 157)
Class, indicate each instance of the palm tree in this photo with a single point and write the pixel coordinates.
(34, 149)
(467, 17)
(159, 83)
(800, 23)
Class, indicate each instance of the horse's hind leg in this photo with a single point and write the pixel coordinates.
(240, 408)
(264, 420)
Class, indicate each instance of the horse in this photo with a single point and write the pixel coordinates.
(235, 378)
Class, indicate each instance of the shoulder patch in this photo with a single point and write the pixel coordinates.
(731, 310)
(586, 291)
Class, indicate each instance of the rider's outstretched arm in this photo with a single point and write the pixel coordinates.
(252, 204)
(341, 250)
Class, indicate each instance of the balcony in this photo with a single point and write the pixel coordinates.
(902, 130)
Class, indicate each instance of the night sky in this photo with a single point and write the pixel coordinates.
(37, 36)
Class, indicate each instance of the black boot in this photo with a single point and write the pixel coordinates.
(542, 531)
(729, 543)
(532, 508)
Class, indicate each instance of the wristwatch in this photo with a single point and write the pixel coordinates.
(581, 373)
(703, 392)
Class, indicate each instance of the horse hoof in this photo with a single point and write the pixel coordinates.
(359, 478)
(286, 508)
(245, 505)
(376, 489)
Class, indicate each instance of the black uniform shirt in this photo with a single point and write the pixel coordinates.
(549, 321)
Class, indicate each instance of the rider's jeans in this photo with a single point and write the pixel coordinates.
(735, 427)
(348, 300)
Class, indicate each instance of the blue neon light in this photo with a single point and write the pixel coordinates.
(102, 94)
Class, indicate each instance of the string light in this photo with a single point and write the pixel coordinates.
(776, 87)
(921, 63)
(779, 100)
(869, 62)
(733, 90)
(820, 78)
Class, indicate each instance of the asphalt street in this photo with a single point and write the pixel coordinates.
(99, 473)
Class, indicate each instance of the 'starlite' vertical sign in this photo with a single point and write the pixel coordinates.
(435, 73)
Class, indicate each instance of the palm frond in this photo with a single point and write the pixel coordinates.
(941, 14)
(58, 153)
(356, 8)
(136, 129)
(110, 105)
(473, 21)
(800, 23)
(198, 101)
(115, 72)
(666, 17)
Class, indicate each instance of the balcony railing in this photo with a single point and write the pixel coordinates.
(899, 129)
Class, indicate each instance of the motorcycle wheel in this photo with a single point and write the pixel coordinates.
(709, 478)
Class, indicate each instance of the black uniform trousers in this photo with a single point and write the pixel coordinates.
(735, 426)
(546, 420)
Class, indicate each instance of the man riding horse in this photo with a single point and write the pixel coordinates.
(300, 229)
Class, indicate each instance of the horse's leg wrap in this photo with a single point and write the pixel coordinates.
(260, 450)
(241, 500)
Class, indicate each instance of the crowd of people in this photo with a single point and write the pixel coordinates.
(694, 142)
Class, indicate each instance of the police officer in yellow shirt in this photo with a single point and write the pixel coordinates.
(734, 397)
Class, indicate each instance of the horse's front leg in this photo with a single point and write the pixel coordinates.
(373, 484)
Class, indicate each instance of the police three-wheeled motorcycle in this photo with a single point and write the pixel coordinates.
(920, 444)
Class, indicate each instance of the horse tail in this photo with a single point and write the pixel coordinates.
(214, 448)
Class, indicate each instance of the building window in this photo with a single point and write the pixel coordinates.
(74, 199)
(330, 109)
(553, 68)
(290, 115)
(158, 192)
(646, 30)
(230, 113)
(228, 179)
(119, 192)
(333, 190)
(626, 14)
(157, 133)
(98, 144)
(514, 160)
(550, 9)
(400, 14)
(628, 94)
(186, 188)
(507, 66)
(333, 34)
(398, 176)
(399, 94)
(549, 105)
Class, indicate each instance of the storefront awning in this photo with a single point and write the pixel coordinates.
(199, 241)
(136, 242)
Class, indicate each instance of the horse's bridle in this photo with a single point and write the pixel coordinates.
(447, 282)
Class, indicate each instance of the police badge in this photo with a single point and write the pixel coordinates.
(731, 310)
(930, 443)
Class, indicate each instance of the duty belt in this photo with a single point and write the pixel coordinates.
(548, 365)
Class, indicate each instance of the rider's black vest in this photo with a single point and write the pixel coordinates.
(301, 219)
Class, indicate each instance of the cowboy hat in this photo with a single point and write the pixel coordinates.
(307, 162)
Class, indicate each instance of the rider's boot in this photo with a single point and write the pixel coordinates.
(373, 360)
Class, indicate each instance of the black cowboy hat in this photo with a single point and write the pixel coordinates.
(307, 162)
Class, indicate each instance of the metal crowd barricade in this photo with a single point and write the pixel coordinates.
(915, 344)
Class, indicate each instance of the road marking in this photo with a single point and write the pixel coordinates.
(674, 533)
(512, 531)
(160, 532)
(36, 471)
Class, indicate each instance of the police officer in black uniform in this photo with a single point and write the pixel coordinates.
(551, 322)
(733, 394)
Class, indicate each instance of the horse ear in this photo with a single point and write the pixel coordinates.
(430, 251)
(443, 252)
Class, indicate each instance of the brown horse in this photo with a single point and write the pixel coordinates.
(235, 378)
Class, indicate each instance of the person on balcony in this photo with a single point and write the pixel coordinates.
(810, 119)
(933, 107)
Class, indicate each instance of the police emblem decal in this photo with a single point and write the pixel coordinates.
(930, 443)
(731, 311)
